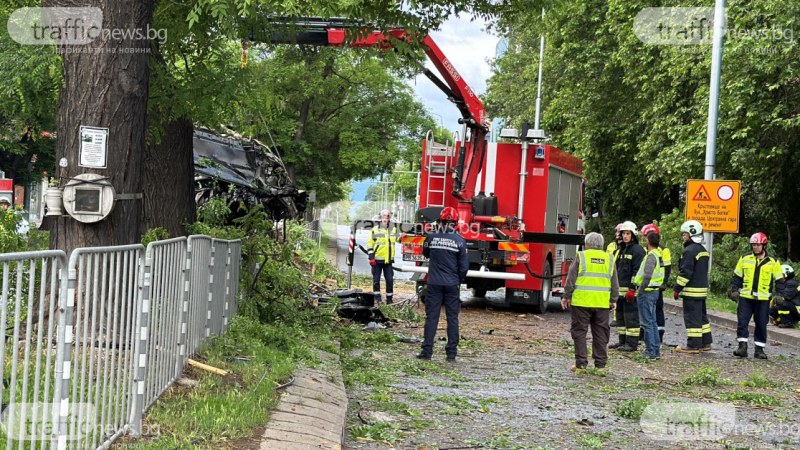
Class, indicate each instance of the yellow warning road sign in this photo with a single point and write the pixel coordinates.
(715, 204)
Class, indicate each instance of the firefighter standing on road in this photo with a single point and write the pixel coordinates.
(613, 249)
(649, 279)
(381, 248)
(785, 303)
(591, 289)
(614, 245)
(751, 287)
(692, 287)
(665, 257)
(629, 259)
(447, 269)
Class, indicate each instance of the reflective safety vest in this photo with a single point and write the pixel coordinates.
(665, 255)
(593, 285)
(381, 243)
(612, 248)
(657, 279)
(762, 272)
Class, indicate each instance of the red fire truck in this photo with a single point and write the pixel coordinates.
(519, 203)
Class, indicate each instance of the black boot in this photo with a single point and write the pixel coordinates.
(741, 352)
(785, 324)
(759, 353)
(619, 343)
(661, 336)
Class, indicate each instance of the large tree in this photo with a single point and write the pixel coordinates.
(106, 85)
(109, 87)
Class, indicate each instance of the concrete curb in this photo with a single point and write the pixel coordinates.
(312, 410)
(785, 336)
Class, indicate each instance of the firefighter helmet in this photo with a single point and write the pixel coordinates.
(759, 238)
(448, 214)
(619, 225)
(650, 228)
(628, 226)
(385, 213)
(694, 229)
(788, 271)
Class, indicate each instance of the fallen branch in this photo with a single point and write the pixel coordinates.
(207, 368)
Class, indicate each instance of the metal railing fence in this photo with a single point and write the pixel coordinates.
(28, 351)
(91, 344)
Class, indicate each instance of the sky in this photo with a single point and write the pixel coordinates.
(469, 48)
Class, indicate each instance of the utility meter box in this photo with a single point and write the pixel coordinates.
(89, 197)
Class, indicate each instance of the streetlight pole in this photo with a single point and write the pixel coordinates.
(441, 122)
(417, 173)
(713, 109)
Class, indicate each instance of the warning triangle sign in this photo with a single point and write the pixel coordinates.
(702, 195)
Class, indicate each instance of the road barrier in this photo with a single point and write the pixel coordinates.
(91, 344)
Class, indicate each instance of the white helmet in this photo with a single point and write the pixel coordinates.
(694, 229)
(629, 226)
(787, 270)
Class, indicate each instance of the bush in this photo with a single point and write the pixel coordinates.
(633, 408)
(13, 240)
(705, 376)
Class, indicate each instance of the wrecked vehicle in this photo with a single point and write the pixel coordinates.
(246, 173)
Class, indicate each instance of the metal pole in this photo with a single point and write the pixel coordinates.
(713, 108)
(539, 87)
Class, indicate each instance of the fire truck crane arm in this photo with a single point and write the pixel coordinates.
(332, 32)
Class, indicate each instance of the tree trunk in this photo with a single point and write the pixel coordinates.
(106, 85)
(169, 179)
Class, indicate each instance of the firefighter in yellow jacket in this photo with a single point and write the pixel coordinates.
(751, 287)
(381, 248)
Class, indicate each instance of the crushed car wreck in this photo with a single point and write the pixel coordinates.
(245, 173)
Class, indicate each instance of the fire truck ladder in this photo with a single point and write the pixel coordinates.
(437, 162)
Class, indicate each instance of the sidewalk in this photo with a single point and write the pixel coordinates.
(786, 336)
(312, 411)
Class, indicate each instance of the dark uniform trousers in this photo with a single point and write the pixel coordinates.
(450, 297)
(627, 317)
(757, 309)
(695, 316)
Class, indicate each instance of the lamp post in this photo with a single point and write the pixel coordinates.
(417, 173)
(441, 122)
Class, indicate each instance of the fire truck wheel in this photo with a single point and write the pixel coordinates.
(478, 292)
(547, 285)
(422, 291)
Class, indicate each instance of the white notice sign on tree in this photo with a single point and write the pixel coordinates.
(94, 147)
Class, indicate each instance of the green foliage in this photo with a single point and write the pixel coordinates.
(754, 398)
(28, 98)
(380, 431)
(222, 409)
(727, 252)
(11, 240)
(706, 376)
(636, 113)
(632, 408)
(759, 379)
(154, 234)
(214, 212)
